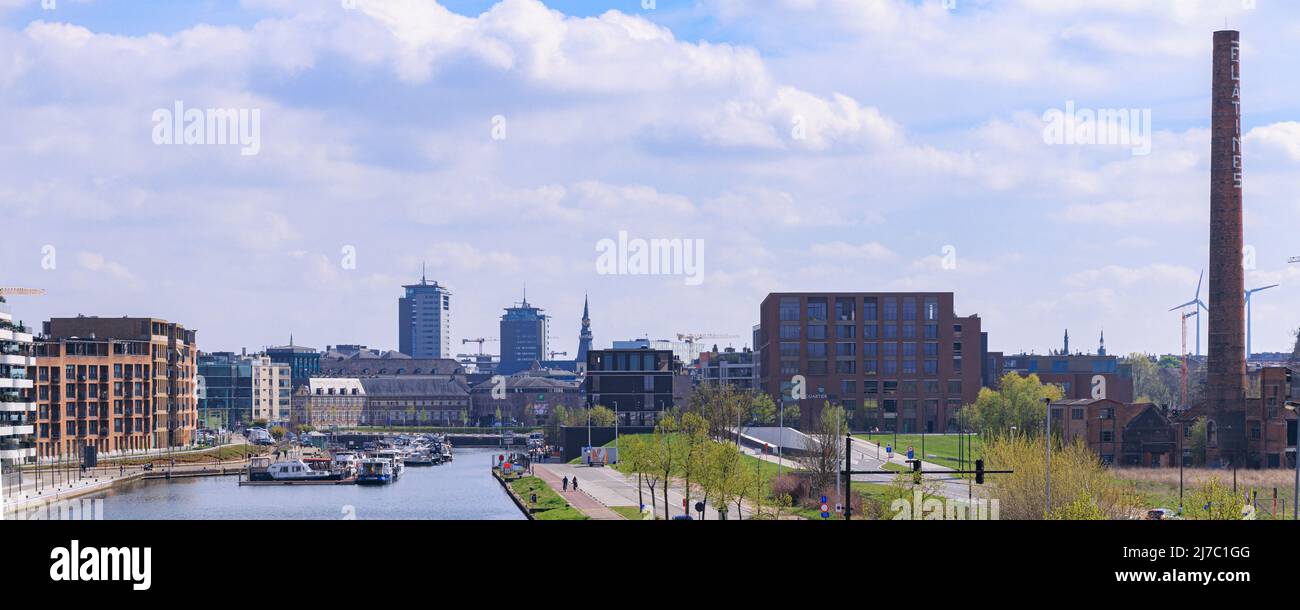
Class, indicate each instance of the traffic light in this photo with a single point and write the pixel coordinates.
(979, 471)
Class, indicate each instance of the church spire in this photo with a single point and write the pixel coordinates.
(584, 336)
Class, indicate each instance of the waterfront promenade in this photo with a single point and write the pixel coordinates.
(609, 488)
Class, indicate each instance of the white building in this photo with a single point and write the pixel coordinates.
(17, 410)
(272, 382)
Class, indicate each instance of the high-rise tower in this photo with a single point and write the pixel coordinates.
(1226, 362)
(424, 320)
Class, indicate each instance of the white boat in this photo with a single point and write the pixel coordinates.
(296, 470)
(347, 463)
(394, 457)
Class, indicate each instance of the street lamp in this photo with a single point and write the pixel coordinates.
(1294, 407)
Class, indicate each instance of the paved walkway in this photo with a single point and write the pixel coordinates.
(610, 487)
(579, 498)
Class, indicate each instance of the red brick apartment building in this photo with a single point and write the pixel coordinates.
(895, 360)
(117, 384)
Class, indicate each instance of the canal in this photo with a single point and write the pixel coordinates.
(461, 489)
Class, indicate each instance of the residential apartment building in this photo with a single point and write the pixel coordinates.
(17, 408)
(226, 399)
(272, 389)
(328, 403)
(93, 392)
(894, 361)
(637, 384)
(739, 369)
(1079, 375)
(88, 364)
(424, 321)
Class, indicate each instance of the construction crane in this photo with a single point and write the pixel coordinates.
(480, 341)
(693, 337)
(9, 291)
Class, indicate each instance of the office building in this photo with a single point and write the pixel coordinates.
(424, 321)
(523, 336)
(415, 401)
(304, 362)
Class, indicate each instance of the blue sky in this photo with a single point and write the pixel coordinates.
(811, 145)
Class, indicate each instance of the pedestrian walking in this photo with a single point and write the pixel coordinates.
(575, 482)
(565, 482)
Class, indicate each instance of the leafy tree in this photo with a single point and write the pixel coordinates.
(1148, 381)
(1018, 403)
(277, 432)
(635, 458)
(723, 476)
(1078, 478)
(724, 407)
(664, 455)
(824, 449)
(1214, 500)
(602, 416)
(693, 440)
(1200, 440)
(762, 409)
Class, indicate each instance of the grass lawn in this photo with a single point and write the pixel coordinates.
(550, 506)
(940, 449)
(630, 513)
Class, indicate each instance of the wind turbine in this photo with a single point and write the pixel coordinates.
(1197, 304)
(1248, 293)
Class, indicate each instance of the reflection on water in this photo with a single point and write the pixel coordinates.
(462, 489)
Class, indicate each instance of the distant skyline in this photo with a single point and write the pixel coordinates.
(808, 145)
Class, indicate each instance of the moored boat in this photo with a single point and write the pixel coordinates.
(375, 471)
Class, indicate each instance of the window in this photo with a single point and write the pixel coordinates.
(816, 350)
(849, 387)
(817, 332)
(891, 331)
(844, 310)
(1075, 413)
(816, 309)
(870, 331)
(870, 349)
(846, 367)
(909, 308)
(869, 312)
(789, 331)
(891, 310)
(846, 349)
(846, 331)
(789, 311)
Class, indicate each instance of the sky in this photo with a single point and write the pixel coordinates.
(807, 145)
